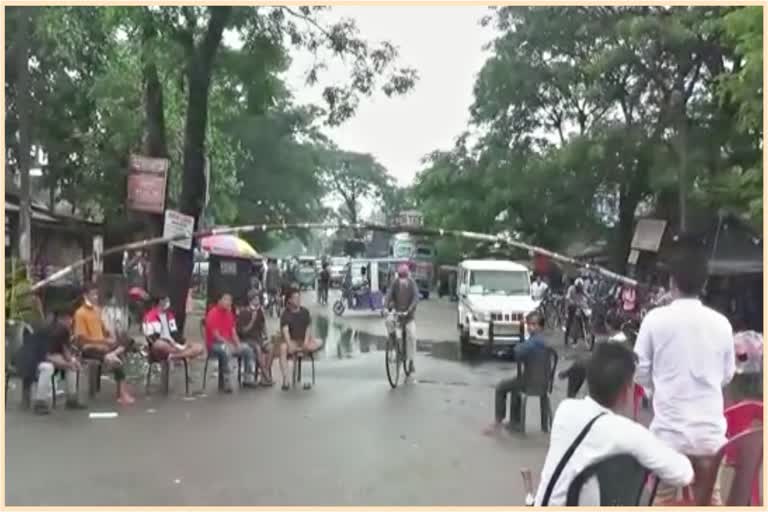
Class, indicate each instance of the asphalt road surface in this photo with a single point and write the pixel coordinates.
(351, 440)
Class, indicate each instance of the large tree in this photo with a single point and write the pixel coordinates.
(584, 116)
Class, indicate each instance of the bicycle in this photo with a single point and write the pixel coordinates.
(551, 308)
(582, 329)
(395, 353)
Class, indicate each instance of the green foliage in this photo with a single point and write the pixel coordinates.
(583, 117)
(19, 302)
(353, 177)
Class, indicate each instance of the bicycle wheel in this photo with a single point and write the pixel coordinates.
(392, 363)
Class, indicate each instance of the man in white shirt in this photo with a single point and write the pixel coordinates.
(610, 379)
(686, 358)
(538, 288)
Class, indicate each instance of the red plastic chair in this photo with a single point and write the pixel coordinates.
(741, 417)
(747, 449)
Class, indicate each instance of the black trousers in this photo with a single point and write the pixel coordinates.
(513, 386)
(571, 314)
(576, 376)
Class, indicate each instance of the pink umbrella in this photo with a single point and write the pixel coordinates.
(229, 245)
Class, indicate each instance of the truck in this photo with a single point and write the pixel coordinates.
(420, 253)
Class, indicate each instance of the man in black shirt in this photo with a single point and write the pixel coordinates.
(46, 351)
(252, 329)
(295, 325)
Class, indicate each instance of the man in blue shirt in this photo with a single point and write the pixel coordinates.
(534, 324)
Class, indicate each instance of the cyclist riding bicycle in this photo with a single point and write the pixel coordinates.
(576, 299)
(402, 298)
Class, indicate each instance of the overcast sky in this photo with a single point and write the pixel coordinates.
(444, 44)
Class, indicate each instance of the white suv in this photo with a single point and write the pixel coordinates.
(494, 299)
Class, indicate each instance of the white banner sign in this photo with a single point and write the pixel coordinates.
(176, 224)
(410, 218)
(98, 249)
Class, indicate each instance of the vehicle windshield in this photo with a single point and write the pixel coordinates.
(424, 252)
(499, 282)
(403, 251)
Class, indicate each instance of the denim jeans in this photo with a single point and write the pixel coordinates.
(224, 352)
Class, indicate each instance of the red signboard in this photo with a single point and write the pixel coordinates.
(147, 179)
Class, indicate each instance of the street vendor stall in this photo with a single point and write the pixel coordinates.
(230, 265)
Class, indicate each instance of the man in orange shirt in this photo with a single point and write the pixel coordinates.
(96, 342)
(222, 341)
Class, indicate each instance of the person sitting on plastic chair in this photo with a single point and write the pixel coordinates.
(295, 325)
(98, 343)
(223, 342)
(43, 353)
(252, 329)
(588, 430)
(534, 323)
(159, 326)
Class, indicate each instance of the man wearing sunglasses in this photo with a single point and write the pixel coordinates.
(534, 324)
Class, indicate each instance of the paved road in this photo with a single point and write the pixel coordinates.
(349, 441)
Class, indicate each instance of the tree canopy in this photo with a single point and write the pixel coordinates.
(585, 118)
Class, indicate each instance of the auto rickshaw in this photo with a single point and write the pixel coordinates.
(360, 289)
(306, 273)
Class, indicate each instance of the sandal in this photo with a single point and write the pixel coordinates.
(285, 387)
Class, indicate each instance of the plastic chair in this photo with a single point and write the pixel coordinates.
(165, 365)
(13, 342)
(538, 380)
(741, 417)
(298, 357)
(747, 449)
(240, 364)
(621, 479)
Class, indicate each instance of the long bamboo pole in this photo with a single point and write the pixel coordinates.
(422, 231)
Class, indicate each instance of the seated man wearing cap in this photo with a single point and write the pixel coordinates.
(159, 326)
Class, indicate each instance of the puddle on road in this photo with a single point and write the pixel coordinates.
(343, 342)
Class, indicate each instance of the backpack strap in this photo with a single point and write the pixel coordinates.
(566, 457)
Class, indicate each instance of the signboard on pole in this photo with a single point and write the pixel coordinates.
(177, 224)
(147, 178)
(648, 235)
(98, 260)
(410, 218)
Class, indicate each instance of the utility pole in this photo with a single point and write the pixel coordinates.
(682, 151)
(25, 137)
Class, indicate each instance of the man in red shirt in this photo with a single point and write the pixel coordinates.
(222, 342)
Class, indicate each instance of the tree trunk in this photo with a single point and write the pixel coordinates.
(25, 136)
(155, 145)
(199, 70)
